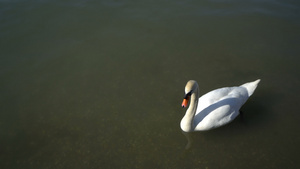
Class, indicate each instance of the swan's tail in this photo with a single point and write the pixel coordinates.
(251, 86)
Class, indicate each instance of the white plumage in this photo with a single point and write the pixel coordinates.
(215, 108)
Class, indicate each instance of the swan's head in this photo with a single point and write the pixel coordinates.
(190, 87)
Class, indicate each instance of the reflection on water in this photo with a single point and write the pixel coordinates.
(98, 84)
(189, 140)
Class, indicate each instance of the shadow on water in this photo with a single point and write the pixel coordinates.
(258, 110)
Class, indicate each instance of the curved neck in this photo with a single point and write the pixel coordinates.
(187, 122)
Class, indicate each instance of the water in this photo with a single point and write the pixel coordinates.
(99, 84)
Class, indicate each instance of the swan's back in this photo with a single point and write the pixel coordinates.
(220, 106)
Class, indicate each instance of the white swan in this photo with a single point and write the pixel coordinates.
(214, 109)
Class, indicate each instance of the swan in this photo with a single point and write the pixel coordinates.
(215, 108)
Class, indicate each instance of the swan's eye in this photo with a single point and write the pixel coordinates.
(188, 95)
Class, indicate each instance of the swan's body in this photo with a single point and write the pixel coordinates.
(215, 108)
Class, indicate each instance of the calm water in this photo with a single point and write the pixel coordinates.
(99, 84)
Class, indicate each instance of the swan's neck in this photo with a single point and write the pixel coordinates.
(187, 122)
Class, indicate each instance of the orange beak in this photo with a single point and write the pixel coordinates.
(185, 102)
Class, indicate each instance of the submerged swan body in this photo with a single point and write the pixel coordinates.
(214, 109)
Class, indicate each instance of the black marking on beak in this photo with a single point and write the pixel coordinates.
(186, 96)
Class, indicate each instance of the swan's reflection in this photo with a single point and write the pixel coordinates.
(189, 138)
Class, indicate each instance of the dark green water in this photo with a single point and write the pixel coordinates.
(99, 84)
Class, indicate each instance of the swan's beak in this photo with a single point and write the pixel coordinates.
(185, 102)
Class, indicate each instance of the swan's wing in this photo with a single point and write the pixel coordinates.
(212, 97)
(219, 107)
(217, 95)
(217, 116)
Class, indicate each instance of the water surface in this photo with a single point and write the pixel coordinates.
(99, 84)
